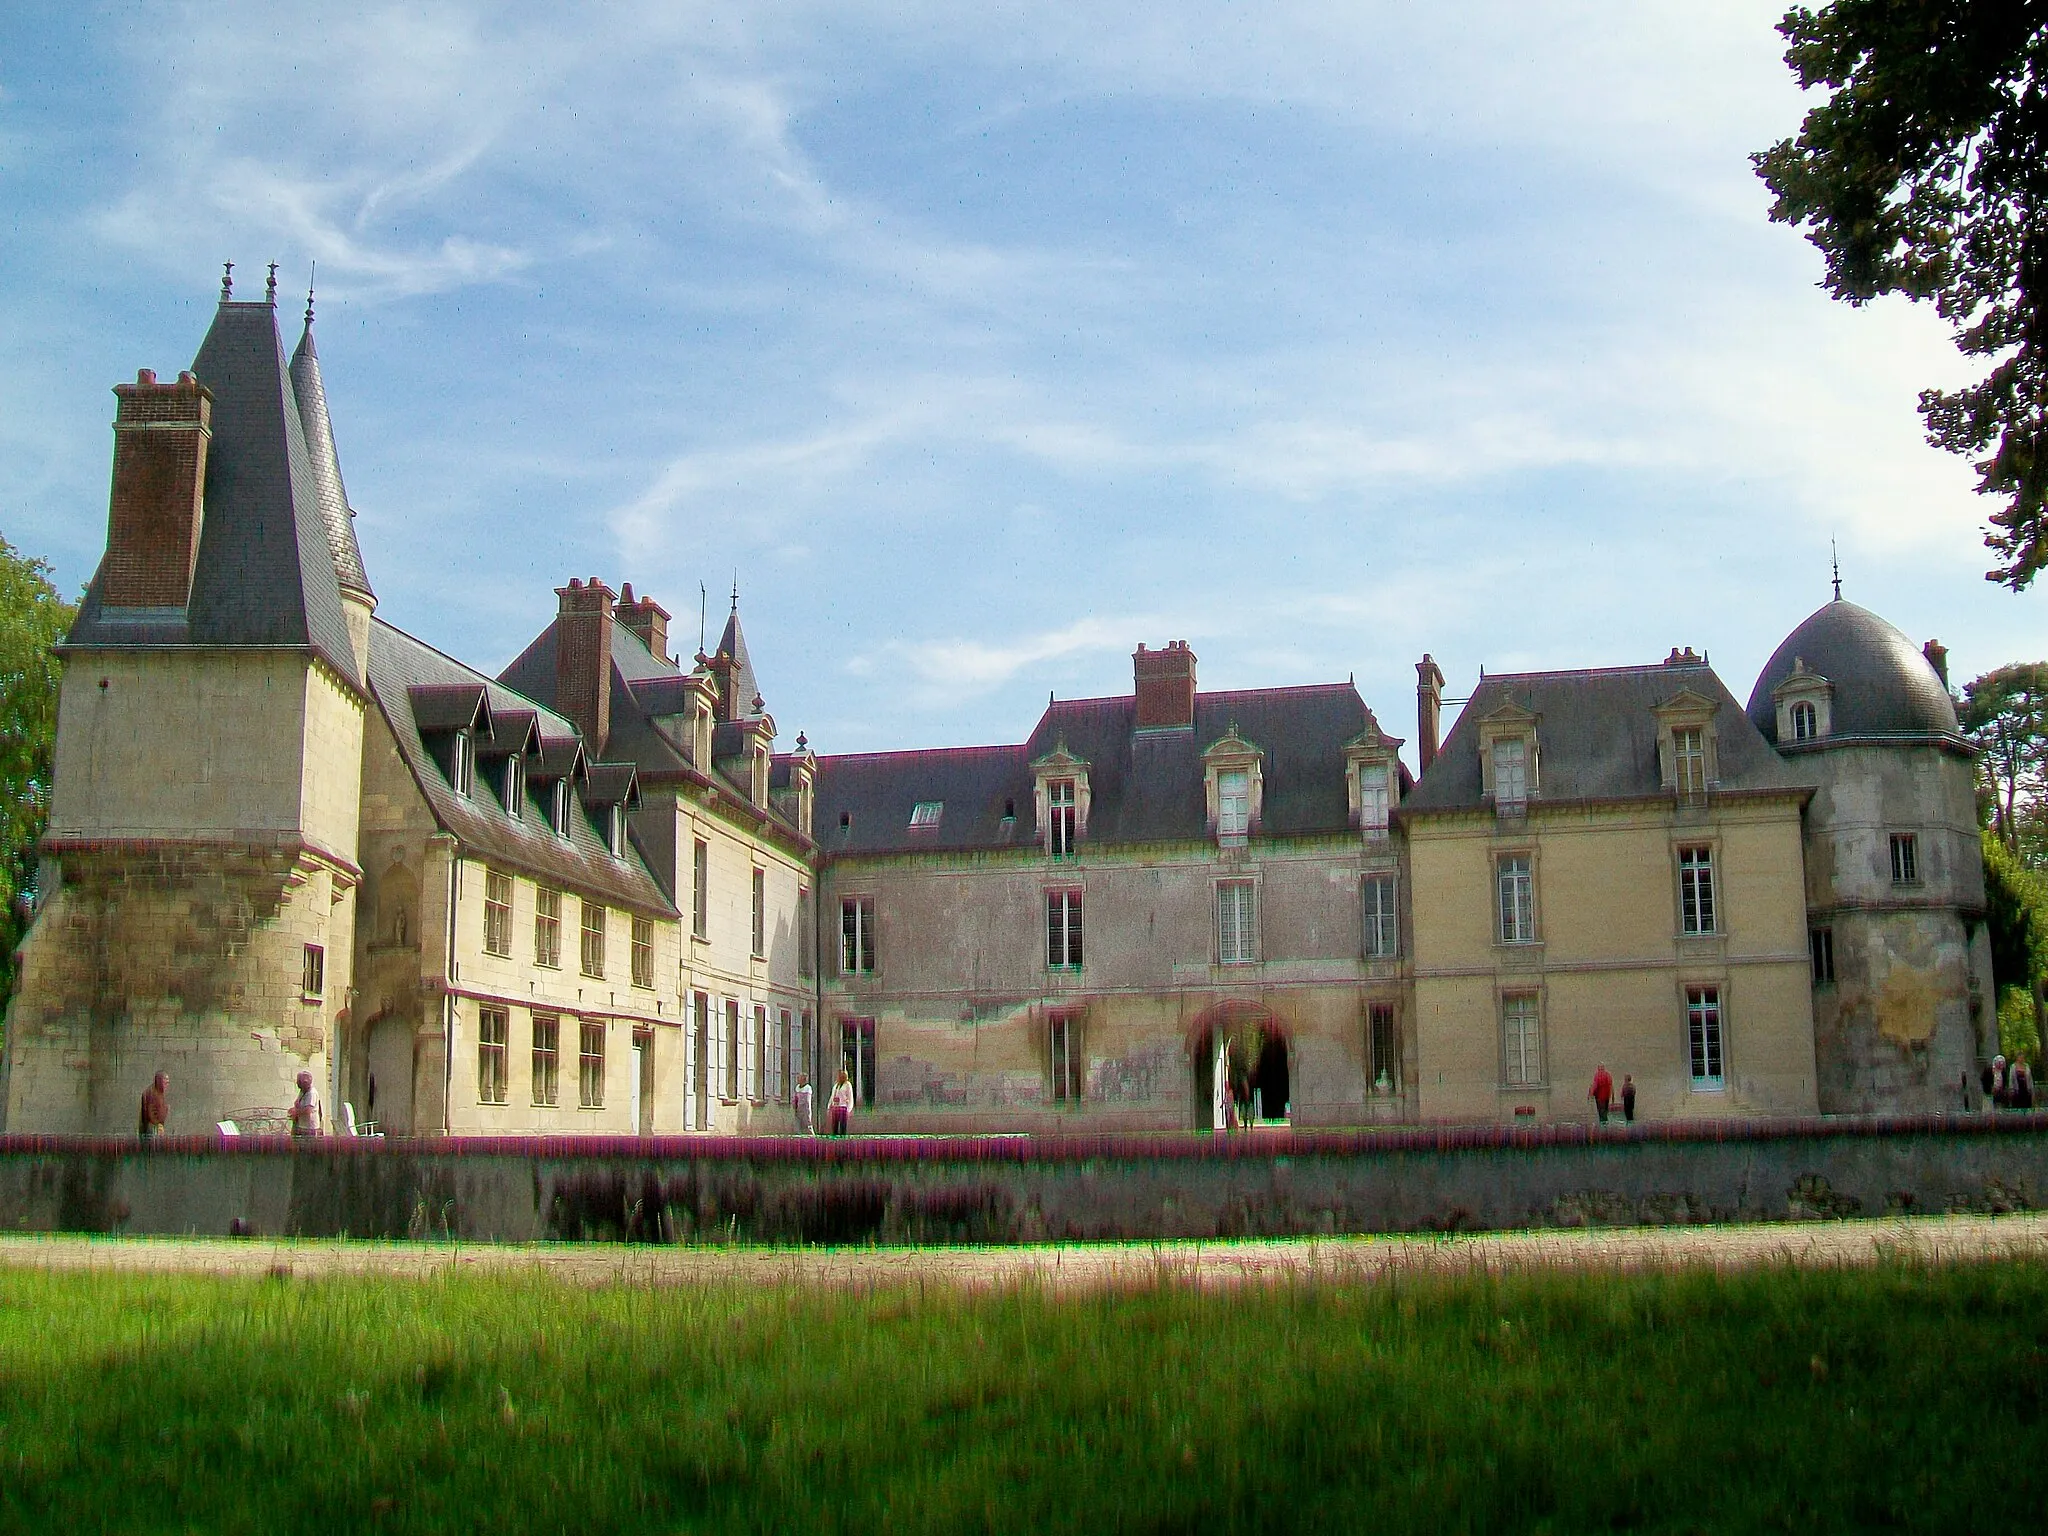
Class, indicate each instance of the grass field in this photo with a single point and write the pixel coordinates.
(1895, 1395)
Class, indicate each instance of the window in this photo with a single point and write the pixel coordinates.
(493, 1026)
(1521, 1036)
(857, 936)
(757, 1055)
(313, 973)
(806, 934)
(1059, 803)
(1696, 890)
(779, 1045)
(731, 1086)
(710, 1073)
(615, 830)
(1821, 941)
(926, 813)
(1510, 774)
(1382, 927)
(593, 939)
(1703, 1032)
(497, 913)
(1517, 899)
(590, 1067)
(547, 926)
(800, 1047)
(1905, 859)
(462, 764)
(700, 889)
(1805, 721)
(643, 951)
(1384, 1042)
(1373, 798)
(1063, 930)
(1235, 923)
(760, 914)
(558, 808)
(1689, 760)
(547, 1035)
(1069, 1065)
(515, 787)
(1233, 806)
(857, 1057)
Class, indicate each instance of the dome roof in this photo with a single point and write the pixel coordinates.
(1883, 685)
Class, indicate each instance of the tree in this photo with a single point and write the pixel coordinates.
(2016, 914)
(2005, 712)
(1925, 173)
(32, 619)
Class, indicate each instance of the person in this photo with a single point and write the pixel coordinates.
(801, 1103)
(1998, 1082)
(2019, 1091)
(156, 1106)
(305, 1111)
(1602, 1091)
(840, 1106)
(1628, 1097)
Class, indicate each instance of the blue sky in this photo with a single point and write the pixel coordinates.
(983, 343)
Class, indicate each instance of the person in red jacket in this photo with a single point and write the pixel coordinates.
(1602, 1091)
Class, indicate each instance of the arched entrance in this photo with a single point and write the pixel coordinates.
(388, 1068)
(1240, 1066)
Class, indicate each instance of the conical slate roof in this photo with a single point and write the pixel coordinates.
(335, 511)
(1883, 685)
(734, 644)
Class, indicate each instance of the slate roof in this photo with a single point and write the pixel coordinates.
(335, 512)
(409, 677)
(1883, 685)
(265, 575)
(1143, 786)
(734, 644)
(1596, 737)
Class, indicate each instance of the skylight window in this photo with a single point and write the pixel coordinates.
(926, 813)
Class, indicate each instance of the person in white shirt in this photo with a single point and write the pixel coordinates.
(800, 1101)
(840, 1106)
(305, 1111)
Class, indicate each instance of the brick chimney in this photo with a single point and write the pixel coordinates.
(583, 660)
(1937, 658)
(647, 619)
(1166, 686)
(1429, 703)
(161, 433)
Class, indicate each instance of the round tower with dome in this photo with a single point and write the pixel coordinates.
(1903, 1015)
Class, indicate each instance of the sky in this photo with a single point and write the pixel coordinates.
(979, 344)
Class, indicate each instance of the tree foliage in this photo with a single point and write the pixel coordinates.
(1925, 173)
(32, 619)
(2016, 912)
(2005, 712)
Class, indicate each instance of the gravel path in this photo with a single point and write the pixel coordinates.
(1073, 1266)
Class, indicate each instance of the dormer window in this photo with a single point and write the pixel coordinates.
(1509, 758)
(1805, 720)
(462, 764)
(758, 789)
(559, 805)
(1373, 779)
(1511, 773)
(1059, 805)
(515, 788)
(926, 814)
(1805, 702)
(1234, 788)
(1689, 760)
(1233, 806)
(1374, 799)
(615, 830)
(1060, 793)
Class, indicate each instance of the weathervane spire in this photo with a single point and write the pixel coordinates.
(1837, 558)
(227, 281)
(735, 591)
(311, 273)
(270, 288)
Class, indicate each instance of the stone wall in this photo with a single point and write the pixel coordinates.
(1023, 1189)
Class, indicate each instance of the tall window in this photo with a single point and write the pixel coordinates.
(1703, 1032)
(590, 1066)
(1059, 798)
(547, 1039)
(1689, 759)
(800, 1048)
(857, 1057)
(497, 913)
(1696, 890)
(593, 938)
(1517, 899)
(462, 764)
(1511, 773)
(1821, 941)
(1905, 858)
(615, 830)
(757, 1055)
(558, 808)
(1374, 798)
(731, 1086)
(313, 973)
(857, 936)
(700, 888)
(779, 1045)
(1384, 1040)
(547, 926)
(1236, 927)
(1805, 721)
(1063, 930)
(806, 934)
(643, 951)
(515, 787)
(1521, 1041)
(493, 1025)
(1382, 926)
(1233, 805)
(760, 914)
(1069, 1064)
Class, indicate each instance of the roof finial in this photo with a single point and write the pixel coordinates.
(227, 281)
(703, 602)
(270, 288)
(735, 591)
(1837, 557)
(311, 272)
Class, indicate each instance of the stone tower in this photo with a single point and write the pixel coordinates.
(199, 875)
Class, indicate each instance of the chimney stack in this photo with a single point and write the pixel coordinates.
(647, 619)
(583, 661)
(161, 432)
(1429, 703)
(1166, 686)
(1937, 658)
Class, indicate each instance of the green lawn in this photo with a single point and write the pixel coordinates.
(1775, 1399)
